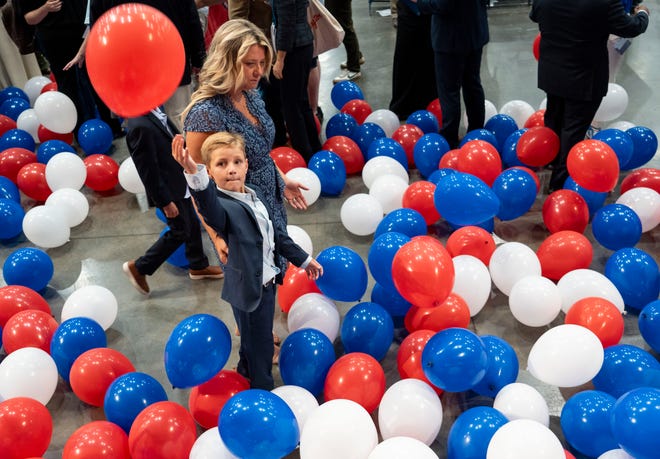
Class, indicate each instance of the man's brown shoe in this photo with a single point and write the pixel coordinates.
(138, 280)
(210, 272)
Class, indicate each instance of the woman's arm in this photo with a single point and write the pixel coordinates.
(292, 192)
(34, 17)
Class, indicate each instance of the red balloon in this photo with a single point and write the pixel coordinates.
(565, 210)
(537, 119)
(52, 86)
(600, 316)
(407, 135)
(593, 165)
(13, 159)
(536, 46)
(6, 123)
(317, 122)
(481, 159)
(206, 400)
(568, 455)
(145, 52)
(449, 160)
(25, 428)
(435, 108)
(562, 252)
(423, 272)
(647, 177)
(295, 284)
(31, 180)
(419, 196)
(358, 109)
(17, 298)
(471, 240)
(348, 151)
(102, 172)
(453, 312)
(409, 357)
(530, 172)
(538, 146)
(358, 377)
(30, 328)
(163, 430)
(45, 134)
(97, 440)
(286, 158)
(94, 370)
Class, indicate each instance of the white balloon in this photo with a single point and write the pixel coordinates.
(522, 401)
(566, 356)
(46, 227)
(314, 310)
(56, 112)
(361, 213)
(129, 179)
(65, 170)
(388, 191)
(386, 119)
(209, 445)
(402, 448)
(535, 301)
(471, 282)
(29, 122)
(301, 238)
(490, 111)
(300, 400)
(615, 454)
(382, 165)
(543, 104)
(511, 262)
(28, 372)
(613, 105)
(410, 408)
(524, 439)
(583, 283)
(645, 202)
(308, 178)
(71, 203)
(94, 302)
(621, 125)
(519, 110)
(338, 429)
(33, 87)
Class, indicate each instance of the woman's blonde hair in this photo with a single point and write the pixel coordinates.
(221, 140)
(222, 72)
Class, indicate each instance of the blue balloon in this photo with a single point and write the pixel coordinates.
(645, 144)
(635, 420)
(649, 324)
(516, 190)
(9, 190)
(488, 225)
(594, 199)
(464, 199)
(481, 134)
(385, 146)
(502, 126)
(95, 137)
(196, 350)
(17, 138)
(635, 275)
(331, 171)
(11, 92)
(13, 107)
(425, 120)
(340, 124)
(585, 422)
(344, 274)
(344, 92)
(368, 328)
(365, 134)
(29, 267)
(11, 219)
(620, 142)
(306, 356)
(503, 366)
(509, 149)
(626, 367)
(50, 148)
(472, 431)
(391, 300)
(406, 221)
(257, 424)
(616, 226)
(428, 151)
(161, 216)
(128, 395)
(72, 338)
(381, 254)
(455, 359)
(438, 174)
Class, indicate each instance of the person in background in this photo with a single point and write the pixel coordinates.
(342, 10)
(17, 53)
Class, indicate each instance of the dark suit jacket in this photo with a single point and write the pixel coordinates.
(457, 26)
(292, 26)
(150, 146)
(236, 223)
(573, 59)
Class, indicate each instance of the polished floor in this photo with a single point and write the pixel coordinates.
(119, 228)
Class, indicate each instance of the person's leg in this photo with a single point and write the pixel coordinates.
(343, 12)
(194, 246)
(313, 85)
(448, 71)
(270, 90)
(473, 92)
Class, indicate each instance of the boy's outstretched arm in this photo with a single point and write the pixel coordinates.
(181, 155)
(314, 269)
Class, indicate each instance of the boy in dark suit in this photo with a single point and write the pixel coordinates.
(149, 138)
(241, 216)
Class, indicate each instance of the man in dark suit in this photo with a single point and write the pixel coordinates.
(149, 141)
(459, 31)
(573, 64)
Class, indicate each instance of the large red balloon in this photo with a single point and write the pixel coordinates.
(562, 252)
(94, 370)
(600, 316)
(407, 135)
(295, 284)
(30, 328)
(536, 119)
(453, 312)
(25, 428)
(97, 440)
(6, 123)
(593, 165)
(102, 172)
(348, 151)
(358, 377)
(419, 196)
(31, 180)
(13, 159)
(481, 159)
(163, 430)
(206, 400)
(435, 108)
(45, 134)
(536, 46)
(135, 58)
(409, 357)
(17, 298)
(565, 210)
(471, 240)
(538, 146)
(286, 158)
(358, 109)
(646, 177)
(423, 272)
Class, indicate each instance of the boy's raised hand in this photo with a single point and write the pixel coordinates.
(181, 155)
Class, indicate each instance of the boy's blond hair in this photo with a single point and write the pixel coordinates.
(221, 140)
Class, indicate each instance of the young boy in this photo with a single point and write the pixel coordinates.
(239, 214)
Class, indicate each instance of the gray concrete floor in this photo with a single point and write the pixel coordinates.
(117, 229)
